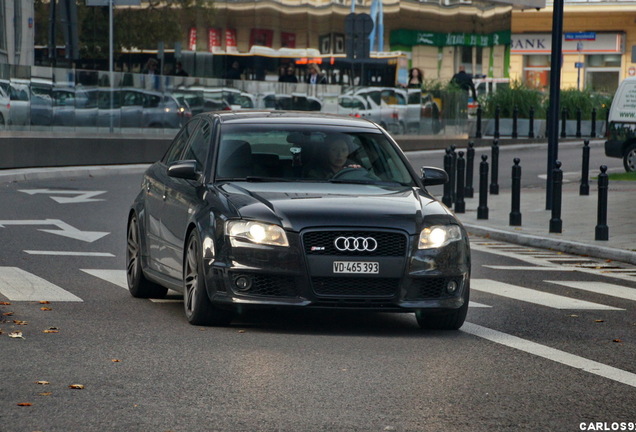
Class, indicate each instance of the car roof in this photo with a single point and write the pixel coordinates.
(286, 117)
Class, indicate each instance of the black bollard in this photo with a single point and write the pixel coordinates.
(460, 205)
(494, 176)
(602, 230)
(497, 112)
(515, 210)
(584, 188)
(453, 173)
(478, 128)
(470, 161)
(515, 116)
(482, 210)
(448, 163)
(564, 119)
(556, 224)
(531, 123)
(593, 126)
(578, 122)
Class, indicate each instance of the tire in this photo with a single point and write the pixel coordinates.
(3, 123)
(198, 308)
(451, 320)
(138, 285)
(629, 158)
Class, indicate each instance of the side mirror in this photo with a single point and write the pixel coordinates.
(433, 176)
(184, 169)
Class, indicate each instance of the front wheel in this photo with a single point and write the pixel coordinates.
(198, 308)
(629, 159)
(451, 320)
(138, 285)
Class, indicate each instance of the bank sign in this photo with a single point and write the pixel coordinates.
(541, 43)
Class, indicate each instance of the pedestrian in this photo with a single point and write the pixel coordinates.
(464, 81)
(234, 72)
(179, 71)
(415, 78)
(288, 75)
(315, 75)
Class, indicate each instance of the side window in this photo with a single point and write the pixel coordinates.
(179, 143)
(198, 148)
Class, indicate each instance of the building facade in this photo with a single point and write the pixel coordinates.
(16, 32)
(599, 45)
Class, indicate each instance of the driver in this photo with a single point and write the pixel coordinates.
(336, 158)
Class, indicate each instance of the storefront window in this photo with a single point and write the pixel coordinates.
(536, 71)
(602, 72)
(3, 29)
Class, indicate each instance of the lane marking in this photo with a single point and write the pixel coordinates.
(552, 354)
(600, 288)
(117, 277)
(70, 253)
(477, 305)
(517, 256)
(81, 196)
(65, 229)
(533, 296)
(19, 285)
(530, 268)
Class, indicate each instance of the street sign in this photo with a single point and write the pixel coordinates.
(580, 36)
(579, 65)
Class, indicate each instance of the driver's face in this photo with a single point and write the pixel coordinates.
(337, 154)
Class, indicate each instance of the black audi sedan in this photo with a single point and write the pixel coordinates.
(289, 209)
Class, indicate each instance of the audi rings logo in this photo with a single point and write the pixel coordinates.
(356, 244)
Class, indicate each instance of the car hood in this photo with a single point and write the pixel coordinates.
(297, 206)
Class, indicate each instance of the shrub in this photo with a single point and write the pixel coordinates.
(517, 95)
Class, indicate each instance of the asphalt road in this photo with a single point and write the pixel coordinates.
(542, 349)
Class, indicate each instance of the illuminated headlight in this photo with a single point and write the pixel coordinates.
(244, 233)
(438, 236)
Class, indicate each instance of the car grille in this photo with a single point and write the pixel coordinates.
(429, 288)
(355, 287)
(268, 286)
(322, 243)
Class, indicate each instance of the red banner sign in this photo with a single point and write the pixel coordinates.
(192, 40)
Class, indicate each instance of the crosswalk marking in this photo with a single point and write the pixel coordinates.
(477, 305)
(19, 285)
(553, 354)
(600, 288)
(534, 296)
(117, 277)
(530, 268)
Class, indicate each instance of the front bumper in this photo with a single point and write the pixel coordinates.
(275, 276)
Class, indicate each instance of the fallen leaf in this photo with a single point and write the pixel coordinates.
(241, 331)
(45, 302)
(617, 341)
(76, 386)
(573, 316)
(7, 314)
(42, 382)
(16, 335)
(44, 308)
(5, 303)
(18, 322)
(25, 404)
(50, 331)
(599, 321)
(45, 394)
(115, 360)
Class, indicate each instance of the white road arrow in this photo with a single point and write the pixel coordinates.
(80, 196)
(65, 229)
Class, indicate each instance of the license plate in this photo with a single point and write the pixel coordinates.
(364, 267)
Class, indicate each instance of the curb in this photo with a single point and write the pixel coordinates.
(566, 246)
(50, 173)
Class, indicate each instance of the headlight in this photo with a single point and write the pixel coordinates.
(438, 236)
(244, 233)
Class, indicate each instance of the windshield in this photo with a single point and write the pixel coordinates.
(303, 153)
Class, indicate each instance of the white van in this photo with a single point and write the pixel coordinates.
(621, 129)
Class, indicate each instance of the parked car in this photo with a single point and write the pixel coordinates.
(297, 210)
(621, 129)
(20, 112)
(430, 119)
(41, 102)
(5, 105)
(74, 107)
(385, 115)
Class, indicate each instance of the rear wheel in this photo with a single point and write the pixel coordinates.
(138, 285)
(198, 308)
(451, 320)
(629, 159)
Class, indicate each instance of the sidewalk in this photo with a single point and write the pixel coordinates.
(578, 216)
